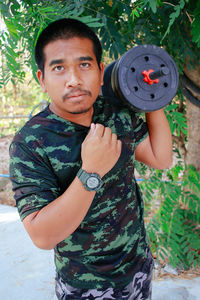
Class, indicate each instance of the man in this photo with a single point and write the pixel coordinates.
(72, 168)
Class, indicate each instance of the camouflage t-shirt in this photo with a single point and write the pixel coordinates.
(110, 245)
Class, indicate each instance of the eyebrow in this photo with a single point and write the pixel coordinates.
(56, 62)
(83, 58)
(61, 61)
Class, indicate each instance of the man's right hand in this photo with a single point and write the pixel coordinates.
(100, 150)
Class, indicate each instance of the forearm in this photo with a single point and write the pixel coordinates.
(160, 137)
(56, 221)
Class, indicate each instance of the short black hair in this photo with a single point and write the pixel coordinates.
(65, 29)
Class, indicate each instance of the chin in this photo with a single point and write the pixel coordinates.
(81, 111)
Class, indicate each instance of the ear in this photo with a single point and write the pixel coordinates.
(102, 66)
(41, 81)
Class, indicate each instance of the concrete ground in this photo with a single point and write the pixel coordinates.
(27, 273)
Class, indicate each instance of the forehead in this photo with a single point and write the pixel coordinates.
(69, 49)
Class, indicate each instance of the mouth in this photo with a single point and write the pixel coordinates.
(76, 96)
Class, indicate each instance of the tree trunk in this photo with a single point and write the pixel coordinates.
(193, 120)
(193, 147)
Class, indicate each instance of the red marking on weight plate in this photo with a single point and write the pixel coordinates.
(147, 79)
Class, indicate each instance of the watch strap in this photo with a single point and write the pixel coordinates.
(90, 181)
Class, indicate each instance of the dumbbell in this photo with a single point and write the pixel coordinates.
(145, 78)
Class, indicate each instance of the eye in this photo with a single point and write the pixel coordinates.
(58, 68)
(85, 65)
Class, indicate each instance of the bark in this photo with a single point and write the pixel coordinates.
(193, 120)
(193, 147)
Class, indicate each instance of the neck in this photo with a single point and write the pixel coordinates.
(84, 118)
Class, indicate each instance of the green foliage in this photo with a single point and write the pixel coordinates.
(171, 27)
(120, 24)
(181, 17)
(177, 120)
(24, 22)
(196, 25)
(174, 228)
(117, 33)
(152, 4)
(174, 15)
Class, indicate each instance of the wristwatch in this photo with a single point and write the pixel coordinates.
(90, 181)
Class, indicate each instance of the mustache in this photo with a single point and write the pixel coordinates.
(73, 91)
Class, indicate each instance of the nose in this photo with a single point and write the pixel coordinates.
(73, 79)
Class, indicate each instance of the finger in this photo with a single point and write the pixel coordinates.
(92, 128)
(99, 130)
(91, 131)
(107, 133)
(114, 138)
(119, 146)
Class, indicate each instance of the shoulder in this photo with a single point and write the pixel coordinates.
(32, 127)
(28, 140)
(113, 107)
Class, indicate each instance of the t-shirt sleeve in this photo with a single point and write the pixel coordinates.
(140, 128)
(34, 183)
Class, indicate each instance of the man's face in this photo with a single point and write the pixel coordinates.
(72, 77)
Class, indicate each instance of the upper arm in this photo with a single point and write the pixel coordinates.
(27, 221)
(34, 185)
(156, 149)
(144, 153)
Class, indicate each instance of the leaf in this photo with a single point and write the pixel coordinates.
(11, 27)
(11, 51)
(29, 2)
(196, 31)
(14, 71)
(136, 13)
(95, 24)
(173, 16)
(196, 25)
(12, 61)
(153, 5)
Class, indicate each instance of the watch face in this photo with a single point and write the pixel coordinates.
(92, 182)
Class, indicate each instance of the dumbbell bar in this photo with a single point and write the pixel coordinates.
(145, 78)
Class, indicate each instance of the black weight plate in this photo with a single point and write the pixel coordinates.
(107, 89)
(128, 79)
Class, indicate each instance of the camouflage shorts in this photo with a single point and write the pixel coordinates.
(139, 288)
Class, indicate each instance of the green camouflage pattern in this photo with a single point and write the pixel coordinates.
(139, 288)
(109, 246)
